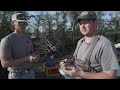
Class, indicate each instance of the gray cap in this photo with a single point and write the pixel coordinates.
(87, 15)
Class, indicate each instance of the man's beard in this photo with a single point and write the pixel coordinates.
(84, 33)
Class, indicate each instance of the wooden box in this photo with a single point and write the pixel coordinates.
(52, 70)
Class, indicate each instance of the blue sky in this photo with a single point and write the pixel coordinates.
(53, 12)
(35, 12)
(106, 17)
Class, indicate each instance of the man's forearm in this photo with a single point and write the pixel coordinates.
(12, 63)
(89, 75)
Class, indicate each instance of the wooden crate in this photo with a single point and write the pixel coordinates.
(52, 71)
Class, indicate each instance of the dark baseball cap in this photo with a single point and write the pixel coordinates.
(87, 15)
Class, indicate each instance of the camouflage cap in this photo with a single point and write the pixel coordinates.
(87, 15)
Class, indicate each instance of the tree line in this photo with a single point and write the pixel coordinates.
(59, 29)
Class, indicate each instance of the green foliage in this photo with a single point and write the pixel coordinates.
(5, 23)
(60, 28)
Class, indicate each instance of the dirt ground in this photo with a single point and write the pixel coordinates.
(39, 68)
(42, 75)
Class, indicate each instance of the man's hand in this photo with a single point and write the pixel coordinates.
(34, 57)
(66, 62)
(63, 62)
(72, 71)
(68, 67)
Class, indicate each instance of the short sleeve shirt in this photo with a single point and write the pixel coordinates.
(103, 57)
(16, 47)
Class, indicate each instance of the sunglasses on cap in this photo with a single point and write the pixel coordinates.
(21, 17)
(23, 23)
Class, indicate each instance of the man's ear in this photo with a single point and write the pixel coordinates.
(97, 22)
(13, 23)
(98, 25)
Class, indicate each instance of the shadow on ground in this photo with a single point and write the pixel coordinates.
(40, 69)
(42, 75)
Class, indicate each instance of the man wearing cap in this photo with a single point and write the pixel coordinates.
(16, 51)
(103, 56)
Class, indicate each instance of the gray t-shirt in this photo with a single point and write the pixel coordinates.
(103, 57)
(16, 47)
